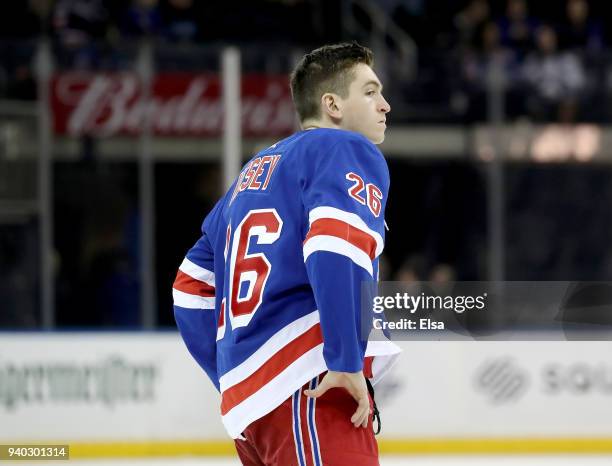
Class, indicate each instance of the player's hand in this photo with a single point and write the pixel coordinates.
(355, 384)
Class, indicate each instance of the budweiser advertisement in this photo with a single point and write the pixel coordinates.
(179, 104)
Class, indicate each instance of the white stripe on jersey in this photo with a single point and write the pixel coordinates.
(192, 301)
(339, 246)
(197, 272)
(271, 395)
(272, 346)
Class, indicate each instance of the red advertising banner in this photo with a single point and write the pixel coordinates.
(180, 104)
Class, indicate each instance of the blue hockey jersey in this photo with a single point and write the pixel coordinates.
(269, 296)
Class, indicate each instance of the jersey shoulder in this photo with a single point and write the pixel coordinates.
(329, 137)
(321, 142)
(330, 149)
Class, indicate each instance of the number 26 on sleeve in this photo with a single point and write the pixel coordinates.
(373, 193)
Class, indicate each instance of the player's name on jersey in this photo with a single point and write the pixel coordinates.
(408, 324)
(256, 175)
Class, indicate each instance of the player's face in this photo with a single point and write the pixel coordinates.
(365, 108)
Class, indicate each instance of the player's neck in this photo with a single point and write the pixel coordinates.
(315, 124)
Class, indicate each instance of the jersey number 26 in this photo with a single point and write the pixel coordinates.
(248, 269)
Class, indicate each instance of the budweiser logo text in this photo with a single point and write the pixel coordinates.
(179, 105)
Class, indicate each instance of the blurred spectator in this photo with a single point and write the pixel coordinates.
(442, 273)
(77, 22)
(477, 67)
(180, 20)
(517, 27)
(411, 270)
(442, 278)
(82, 28)
(469, 22)
(555, 79)
(142, 18)
(579, 31)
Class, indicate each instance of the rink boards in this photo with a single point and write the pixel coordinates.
(141, 394)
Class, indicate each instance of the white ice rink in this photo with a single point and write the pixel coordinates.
(518, 460)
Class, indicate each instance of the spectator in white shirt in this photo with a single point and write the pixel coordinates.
(554, 78)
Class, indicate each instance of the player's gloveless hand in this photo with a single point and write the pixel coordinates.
(355, 384)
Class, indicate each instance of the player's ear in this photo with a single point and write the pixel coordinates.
(331, 105)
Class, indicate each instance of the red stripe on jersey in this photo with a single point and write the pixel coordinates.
(188, 284)
(236, 394)
(345, 231)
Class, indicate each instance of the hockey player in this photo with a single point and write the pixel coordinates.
(268, 299)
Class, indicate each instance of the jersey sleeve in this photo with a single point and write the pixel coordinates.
(344, 195)
(194, 306)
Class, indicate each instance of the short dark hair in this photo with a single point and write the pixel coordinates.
(326, 69)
